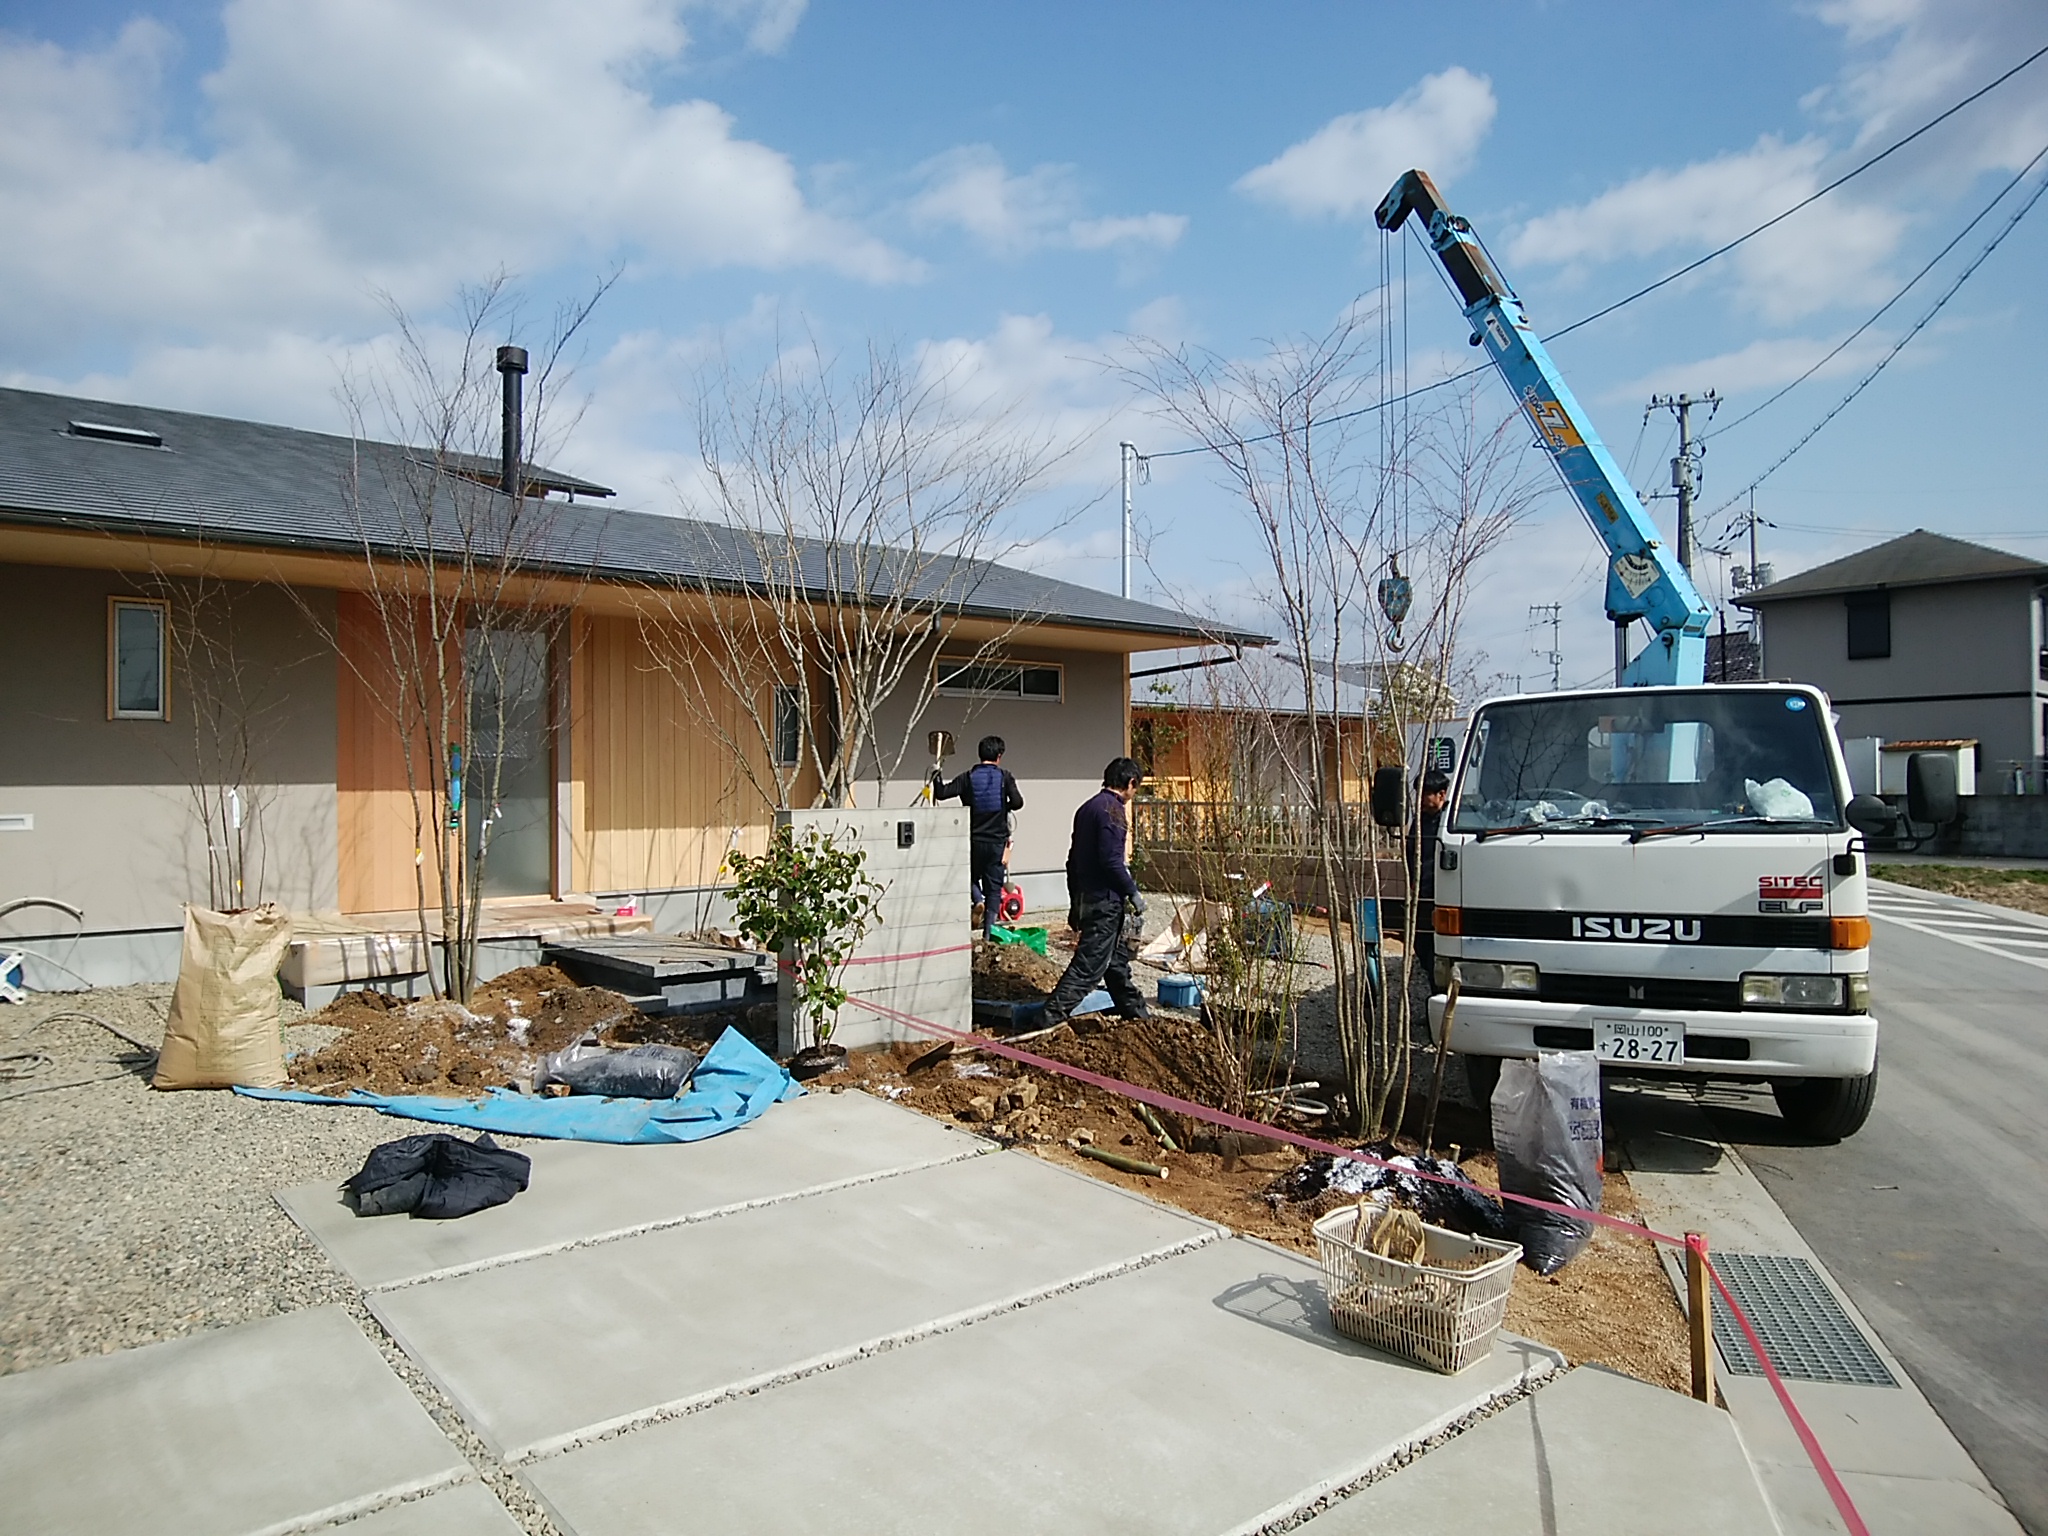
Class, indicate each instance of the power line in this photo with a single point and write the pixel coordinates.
(1897, 347)
(1848, 340)
(1692, 266)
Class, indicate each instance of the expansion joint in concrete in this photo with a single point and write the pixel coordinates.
(663, 1224)
(518, 1501)
(1314, 1501)
(681, 1407)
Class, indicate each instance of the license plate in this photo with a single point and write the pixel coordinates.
(1645, 1042)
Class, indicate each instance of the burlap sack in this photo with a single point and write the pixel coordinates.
(223, 1026)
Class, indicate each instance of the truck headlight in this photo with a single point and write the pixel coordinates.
(1488, 976)
(1760, 990)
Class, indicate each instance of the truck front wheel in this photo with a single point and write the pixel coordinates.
(1482, 1074)
(1826, 1108)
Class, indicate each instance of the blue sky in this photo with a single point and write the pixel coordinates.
(201, 202)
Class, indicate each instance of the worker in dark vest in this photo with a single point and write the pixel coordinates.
(1434, 793)
(990, 793)
(1101, 896)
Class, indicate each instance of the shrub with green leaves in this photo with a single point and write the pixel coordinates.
(811, 901)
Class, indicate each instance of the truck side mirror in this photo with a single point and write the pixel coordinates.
(1931, 788)
(1869, 815)
(1389, 796)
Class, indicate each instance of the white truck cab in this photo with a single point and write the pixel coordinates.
(1666, 877)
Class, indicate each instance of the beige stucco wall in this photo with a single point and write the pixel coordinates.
(1965, 638)
(116, 830)
(1056, 750)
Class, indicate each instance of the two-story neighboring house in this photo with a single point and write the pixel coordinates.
(1923, 638)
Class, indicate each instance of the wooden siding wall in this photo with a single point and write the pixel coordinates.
(657, 795)
(378, 834)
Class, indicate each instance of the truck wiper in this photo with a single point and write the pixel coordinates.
(1555, 822)
(1728, 821)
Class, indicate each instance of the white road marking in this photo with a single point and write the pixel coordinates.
(1969, 940)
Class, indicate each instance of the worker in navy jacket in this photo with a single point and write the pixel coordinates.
(1101, 895)
(990, 794)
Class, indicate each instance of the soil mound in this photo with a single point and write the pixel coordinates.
(1013, 973)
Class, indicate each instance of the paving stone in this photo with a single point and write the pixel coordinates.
(1595, 1454)
(584, 1190)
(248, 1429)
(1204, 1393)
(577, 1340)
(470, 1509)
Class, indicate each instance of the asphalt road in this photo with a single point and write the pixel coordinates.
(1934, 1218)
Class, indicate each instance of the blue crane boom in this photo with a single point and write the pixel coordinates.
(1644, 579)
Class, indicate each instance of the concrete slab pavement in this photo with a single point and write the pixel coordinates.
(283, 1425)
(1204, 1393)
(583, 1191)
(1903, 1467)
(583, 1341)
(468, 1509)
(1593, 1454)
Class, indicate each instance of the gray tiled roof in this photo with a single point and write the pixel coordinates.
(244, 483)
(1915, 559)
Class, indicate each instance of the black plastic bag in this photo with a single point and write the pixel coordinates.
(638, 1072)
(436, 1176)
(1546, 1133)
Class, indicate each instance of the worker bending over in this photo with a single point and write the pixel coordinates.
(1101, 895)
(990, 793)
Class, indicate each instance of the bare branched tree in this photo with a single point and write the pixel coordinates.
(1340, 500)
(848, 518)
(464, 592)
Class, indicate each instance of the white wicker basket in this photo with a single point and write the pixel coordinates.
(1442, 1312)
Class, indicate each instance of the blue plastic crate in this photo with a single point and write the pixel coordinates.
(1180, 992)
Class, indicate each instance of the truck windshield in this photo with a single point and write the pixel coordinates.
(1745, 758)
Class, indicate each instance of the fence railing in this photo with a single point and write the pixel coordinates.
(1220, 826)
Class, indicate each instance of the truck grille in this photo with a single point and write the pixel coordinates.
(1714, 930)
(1641, 991)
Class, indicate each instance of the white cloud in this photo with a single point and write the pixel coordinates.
(971, 189)
(1830, 253)
(1915, 57)
(1345, 167)
(1760, 366)
(363, 145)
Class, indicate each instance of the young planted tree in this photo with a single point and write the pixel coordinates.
(847, 520)
(468, 570)
(1351, 507)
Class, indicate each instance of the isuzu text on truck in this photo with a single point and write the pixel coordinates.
(1666, 872)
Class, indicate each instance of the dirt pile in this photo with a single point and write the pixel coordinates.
(1013, 973)
(432, 1046)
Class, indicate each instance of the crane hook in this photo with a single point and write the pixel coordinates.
(1397, 596)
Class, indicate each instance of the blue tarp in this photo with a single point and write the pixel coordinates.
(733, 1084)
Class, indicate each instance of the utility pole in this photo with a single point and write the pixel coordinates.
(1553, 615)
(1127, 460)
(1685, 468)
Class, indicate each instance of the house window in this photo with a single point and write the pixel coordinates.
(137, 679)
(789, 727)
(1002, 680)
(1870, 624)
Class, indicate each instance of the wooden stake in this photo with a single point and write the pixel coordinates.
(1155, 1126)
(1125, 1164)
(1700, 1316)
(1436, 1084)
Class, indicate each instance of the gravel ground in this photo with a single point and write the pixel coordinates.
(130, 1216)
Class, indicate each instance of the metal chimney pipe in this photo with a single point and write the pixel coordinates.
(512, 364)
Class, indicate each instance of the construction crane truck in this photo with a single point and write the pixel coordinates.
(1667, 872)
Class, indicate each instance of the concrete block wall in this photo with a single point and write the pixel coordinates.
(924, 913)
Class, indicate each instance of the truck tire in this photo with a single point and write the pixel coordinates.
(1826, 1108)
(1482, 1074)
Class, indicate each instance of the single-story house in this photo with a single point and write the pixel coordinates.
(197, 669)
(1922, 638)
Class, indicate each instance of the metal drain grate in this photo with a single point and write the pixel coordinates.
(1808, 1334)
